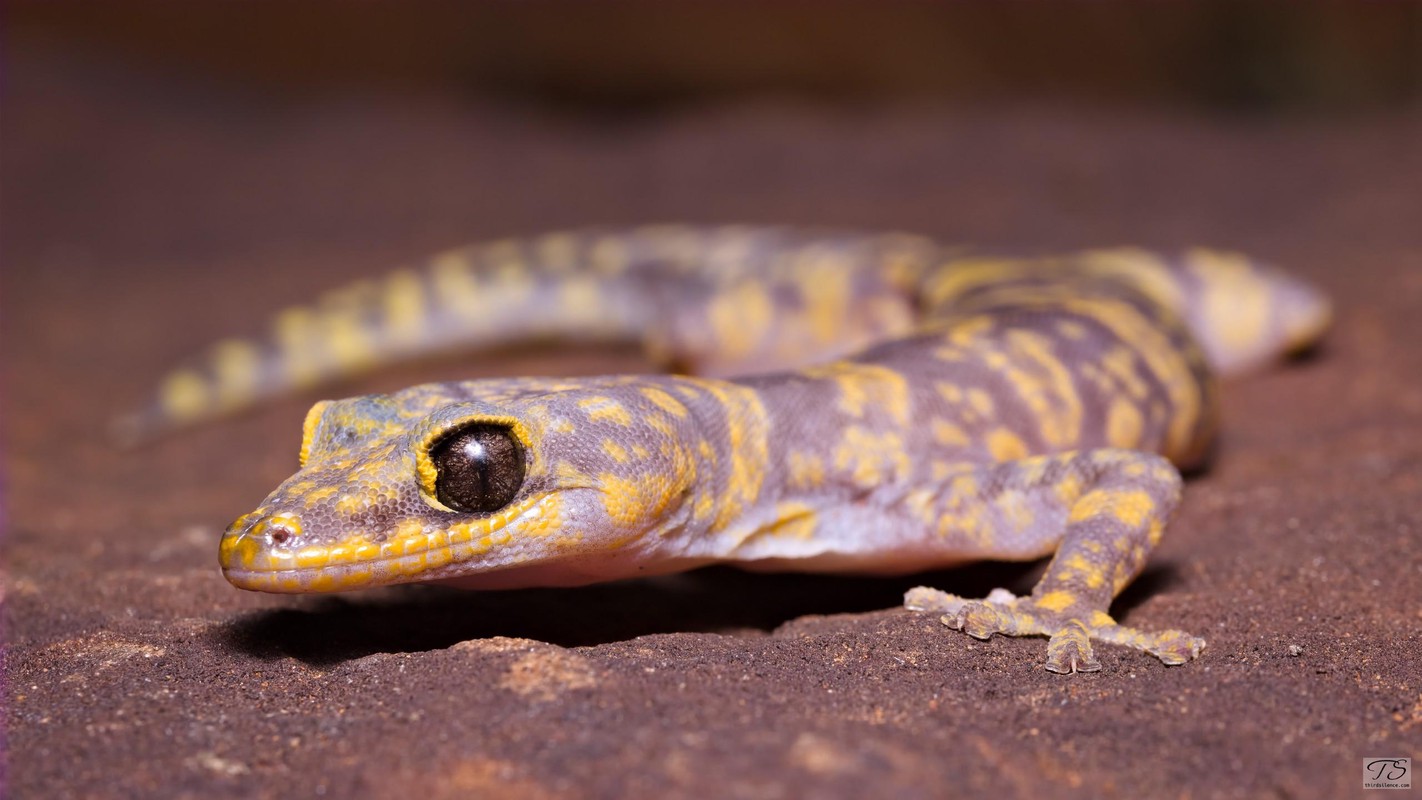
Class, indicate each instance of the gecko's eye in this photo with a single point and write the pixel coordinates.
(479, 468)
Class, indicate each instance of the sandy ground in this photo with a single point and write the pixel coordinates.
(146, 215)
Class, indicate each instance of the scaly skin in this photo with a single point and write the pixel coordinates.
(958, 407)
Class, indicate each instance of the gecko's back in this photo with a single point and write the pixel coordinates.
(910, 406)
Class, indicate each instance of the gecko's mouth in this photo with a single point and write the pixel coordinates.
(342, 567)
(266, 554)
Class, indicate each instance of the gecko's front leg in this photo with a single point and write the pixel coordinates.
(1101, 512)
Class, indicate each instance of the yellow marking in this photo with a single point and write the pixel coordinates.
(1052, 397)
(792, 520)
(1138, 268)
(238, 365)
(615, 451)
(872, 458)
(562, 425)
(981, 402)
(919, 502)
(1163, 359)
(825, 287)
(640, 501)
(748, 434)
(948, 434)
(806, 470)
(308, 428)
(558, 251)
(1130, 507)
(1119, 362)
(1124, 424)
(1236, 300)
(959, 276)
(865, 388)
(1015, 508)
(641, 452)
(454, 285)
(605, 409)
(1004, 445)
(347, 341)
(296, 332)
(404, 307)
(609, 256)
(1059, 600)
(963, 333)
(664, 401)
(580, 298)
(184, 396)
(949, 391)
(740, 318)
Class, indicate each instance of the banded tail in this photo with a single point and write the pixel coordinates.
(707, 300)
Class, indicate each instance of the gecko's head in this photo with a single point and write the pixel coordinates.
(496, 483)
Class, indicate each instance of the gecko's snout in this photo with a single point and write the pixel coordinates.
(258, 543)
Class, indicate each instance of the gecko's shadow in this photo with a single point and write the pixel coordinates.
(325, 631)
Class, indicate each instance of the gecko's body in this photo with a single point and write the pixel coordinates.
(955, 407)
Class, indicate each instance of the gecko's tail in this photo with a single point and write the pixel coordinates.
(488, 295)
(1243, 313)
(1246, 314)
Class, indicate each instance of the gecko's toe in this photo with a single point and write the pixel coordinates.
(1071, 631)
(978, 620)
(1069, 650)
(1175, 647)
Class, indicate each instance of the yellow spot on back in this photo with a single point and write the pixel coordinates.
(948, 434)
(1124, 424)
(872, 458)
(740, 318)
(615, 451)
(806, 470)
(981, 401)
(963, 333)
(825, 287)
(949, 391)
(1006, 445)
(865, 388)
(664, 401)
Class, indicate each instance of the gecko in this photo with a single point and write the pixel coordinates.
(835, 402)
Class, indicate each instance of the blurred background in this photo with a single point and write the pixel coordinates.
(175, 173)
(1244, 56)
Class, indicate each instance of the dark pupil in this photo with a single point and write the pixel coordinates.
(479, 468)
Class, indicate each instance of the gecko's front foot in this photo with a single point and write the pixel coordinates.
(1069, 648)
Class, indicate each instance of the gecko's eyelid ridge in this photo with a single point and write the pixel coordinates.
(479, 467)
